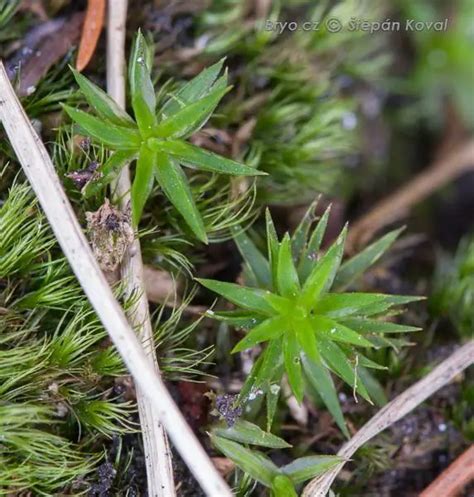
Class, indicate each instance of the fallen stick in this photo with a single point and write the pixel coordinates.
(42, 176)
(395, 410)
(397, 204)
(158, 459)
(454, 478)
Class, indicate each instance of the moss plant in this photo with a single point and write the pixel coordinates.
(440, 69)
(453, 293)
(157, 137)
(294, 303)
(56, 367)
(53, 368)
(296, 89)
(280, 480)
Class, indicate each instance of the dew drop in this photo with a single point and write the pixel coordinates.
(274, 389)
(254, 394)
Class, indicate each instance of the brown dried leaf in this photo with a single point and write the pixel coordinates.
(93, 24)
(45, 45)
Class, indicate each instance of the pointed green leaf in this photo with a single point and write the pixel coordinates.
(291, 354)
(270, 329)
(375, 326)
(141, 86)
(281, 304)
(193, 90)
(175, 185)
(249, 433)
(321, 380)
(238, 318)
(191, 118)
(383, 341)
(268, 367)
(308, 467)
(117, 137)
(143, 182)
(252, 377)
(254, 258)
(190, 155)
(273, 246)
(271, 367)
(252, 462)
(389, 302)
(322, 275)
(287, 277)
(340, 364)
(300, 236)
(248, 276)
(105, 106)
(310, 253)
(273, 394)
(368, 363)
(253, 299)
(403, 299)
(341, 305)
(306, 336)
(332, 330)
(357, 265)
(282, 486)
(373, 386)
(108, 171)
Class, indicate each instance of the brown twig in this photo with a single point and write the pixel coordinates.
(91, 29)
(159, 466)
(453, 479)
(401, 201)
(395, 410)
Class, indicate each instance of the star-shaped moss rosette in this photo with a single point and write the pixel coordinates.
(157, 137)
(297, 305)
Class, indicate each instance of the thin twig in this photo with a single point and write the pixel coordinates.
(158, 460)
(454, 478)
(401, 201)
(395, 410)
(41, 173)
